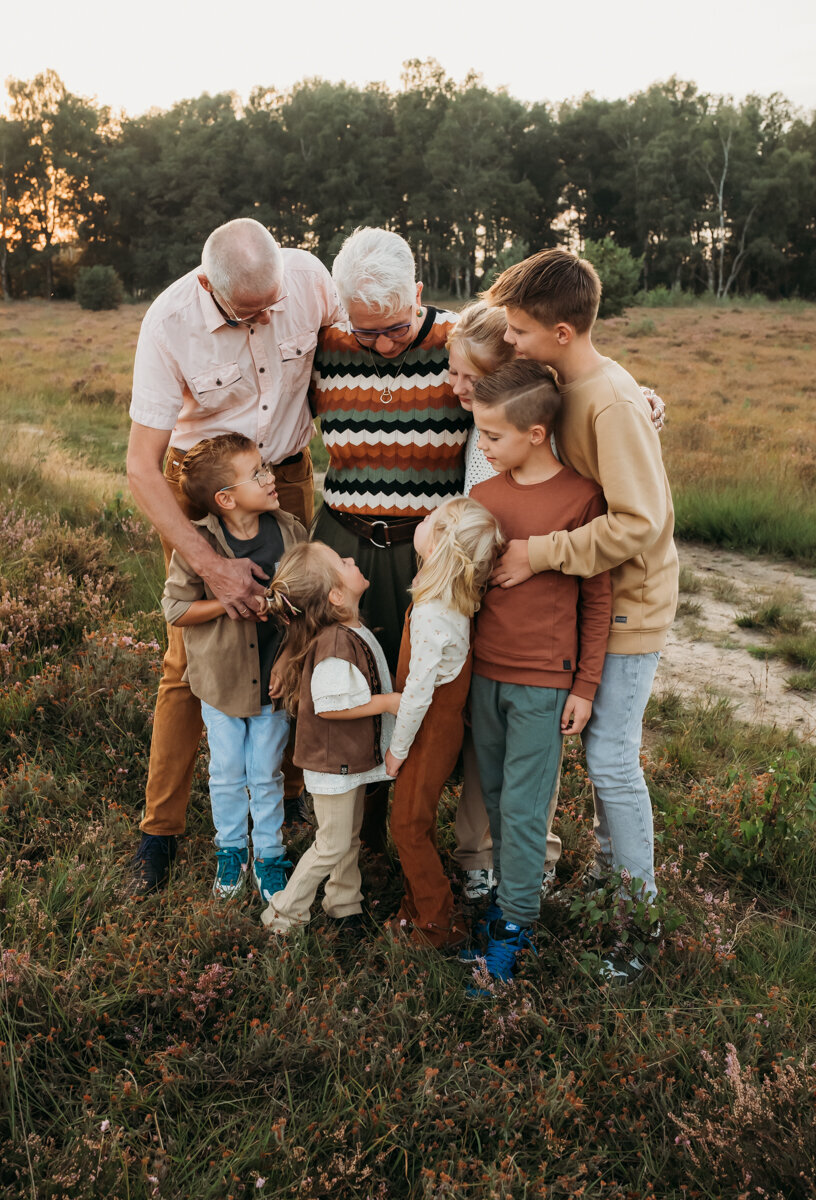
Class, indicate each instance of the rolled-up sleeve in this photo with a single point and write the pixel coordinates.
(158, 384)
(338, 685)
(182, 588)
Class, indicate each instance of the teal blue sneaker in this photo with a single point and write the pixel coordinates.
(480, 928)
(505, 941)
(231, 871)
(270, 875)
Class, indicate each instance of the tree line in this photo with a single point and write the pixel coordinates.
(707, 194)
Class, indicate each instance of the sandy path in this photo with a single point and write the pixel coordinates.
(706, 651)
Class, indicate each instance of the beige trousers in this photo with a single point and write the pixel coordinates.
(334, 853)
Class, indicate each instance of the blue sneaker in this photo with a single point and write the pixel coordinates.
(270, 875)
(505, 940)
(230, 875)
(492, 913)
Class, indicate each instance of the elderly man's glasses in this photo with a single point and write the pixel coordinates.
(394, 333)
(232, 316)
(262, 477)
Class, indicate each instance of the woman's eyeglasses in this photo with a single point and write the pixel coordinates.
(394, 333)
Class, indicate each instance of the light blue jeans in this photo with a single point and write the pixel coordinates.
(246, 777)
(623, 808)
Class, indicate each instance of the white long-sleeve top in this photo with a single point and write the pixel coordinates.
(440, 641)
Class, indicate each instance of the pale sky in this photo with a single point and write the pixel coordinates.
(155, 52)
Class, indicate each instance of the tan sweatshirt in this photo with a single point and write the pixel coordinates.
(605, 433)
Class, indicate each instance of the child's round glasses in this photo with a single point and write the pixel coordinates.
(262, 477)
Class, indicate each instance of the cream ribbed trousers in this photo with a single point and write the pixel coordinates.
(334, 853)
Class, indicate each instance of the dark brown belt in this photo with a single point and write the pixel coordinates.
(285, 462)
(378, 531)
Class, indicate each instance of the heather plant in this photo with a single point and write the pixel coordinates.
(754, 824)
(755, 1110)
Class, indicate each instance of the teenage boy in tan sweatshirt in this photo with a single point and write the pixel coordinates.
(604, 433)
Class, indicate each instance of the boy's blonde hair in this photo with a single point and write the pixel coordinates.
(551, 286)
(479, 335)
(526, 390)
(467, 540)
(298, 599)
(208, 467)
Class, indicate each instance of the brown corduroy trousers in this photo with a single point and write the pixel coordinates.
(428, 900)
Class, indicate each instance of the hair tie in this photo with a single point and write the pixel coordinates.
(296, 612)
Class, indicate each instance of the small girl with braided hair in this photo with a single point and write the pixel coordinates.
(457, 544)
(333, 675)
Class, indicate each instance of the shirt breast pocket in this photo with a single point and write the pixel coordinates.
(220, 385)
(296, 355)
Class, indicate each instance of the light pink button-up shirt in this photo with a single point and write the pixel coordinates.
(198, 376)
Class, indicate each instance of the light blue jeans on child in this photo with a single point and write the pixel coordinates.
(246, 777)
(623, 807)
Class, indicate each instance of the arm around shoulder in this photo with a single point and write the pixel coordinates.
(638, 504)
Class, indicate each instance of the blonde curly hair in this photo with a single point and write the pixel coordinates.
(467, 539)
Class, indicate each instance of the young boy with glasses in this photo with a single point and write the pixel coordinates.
(229, 662)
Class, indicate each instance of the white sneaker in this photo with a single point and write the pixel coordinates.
(548, 884)
(478, 884)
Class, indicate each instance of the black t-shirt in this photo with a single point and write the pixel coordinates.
(265, 549)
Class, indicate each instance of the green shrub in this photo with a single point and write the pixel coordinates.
(663, 297)
(619, 272)
(98, 287)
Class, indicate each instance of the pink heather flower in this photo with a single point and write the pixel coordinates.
(105, 1126)
(259, 1182)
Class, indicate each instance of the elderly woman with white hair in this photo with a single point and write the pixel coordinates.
(393, 428)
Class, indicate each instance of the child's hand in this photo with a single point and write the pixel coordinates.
(577, 712)
(393, 764)
(275, 687)
(657, 406)
(514, 565)
(391, 702)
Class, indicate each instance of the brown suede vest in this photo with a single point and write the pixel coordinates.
(330, 746)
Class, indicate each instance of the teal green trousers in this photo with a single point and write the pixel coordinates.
(517, 735)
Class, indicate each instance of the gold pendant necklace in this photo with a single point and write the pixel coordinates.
(386, 395)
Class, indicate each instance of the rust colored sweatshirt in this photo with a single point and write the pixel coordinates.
(605, 433)
(550, 631)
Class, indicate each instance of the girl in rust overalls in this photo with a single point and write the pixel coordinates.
(457, 545)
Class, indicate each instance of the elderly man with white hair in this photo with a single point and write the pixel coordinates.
(228, 348)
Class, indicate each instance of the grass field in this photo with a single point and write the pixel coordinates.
(172, 1049)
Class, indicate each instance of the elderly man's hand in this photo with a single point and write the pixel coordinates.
(514, 565)
(235, 582)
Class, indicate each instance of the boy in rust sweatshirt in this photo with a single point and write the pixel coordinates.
(539, 648)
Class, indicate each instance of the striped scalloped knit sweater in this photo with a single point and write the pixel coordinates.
(403, 458)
